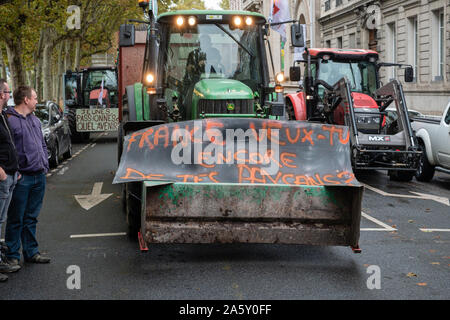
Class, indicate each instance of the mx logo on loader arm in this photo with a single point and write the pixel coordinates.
(379, 138)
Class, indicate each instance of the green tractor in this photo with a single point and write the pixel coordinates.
(204, 152)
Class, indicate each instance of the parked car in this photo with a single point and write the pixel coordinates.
(433, 134)
(55, 129)
(392, 117)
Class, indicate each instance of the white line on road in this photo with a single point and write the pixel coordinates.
(422, 196)
(435, 230)
(385, 226)
(93, 235)
(63, 170)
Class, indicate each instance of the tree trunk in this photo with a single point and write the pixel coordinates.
(76, 63)
(47, 72)
(14, 52)
(67, 59)
(59, 72)
(38, 65)
(3, 65)
(29, 74)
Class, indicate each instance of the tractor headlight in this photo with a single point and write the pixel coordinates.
(180, 21)
(237, 21)
(280, 77)
(149, 78)
(192, 21)
(249, 21)
(368, 119)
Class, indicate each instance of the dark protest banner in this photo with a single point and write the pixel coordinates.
(248, 151)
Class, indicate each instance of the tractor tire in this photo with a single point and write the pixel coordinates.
(120, 137)
(425, 172)
(290, 113)
(74, 134)
(133, 208)
(401, 176)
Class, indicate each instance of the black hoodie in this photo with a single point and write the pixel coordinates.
(8, 154)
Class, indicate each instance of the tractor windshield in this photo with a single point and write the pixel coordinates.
(212, 51)
(94, 80)
(361, 74)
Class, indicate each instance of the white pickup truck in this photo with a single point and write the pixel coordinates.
(433, 134)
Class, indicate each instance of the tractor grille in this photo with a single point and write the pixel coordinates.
(220, 106)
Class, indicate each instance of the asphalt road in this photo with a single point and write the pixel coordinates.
(412, 263)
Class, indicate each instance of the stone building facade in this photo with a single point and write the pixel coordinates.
(306, 12)
(415, 32)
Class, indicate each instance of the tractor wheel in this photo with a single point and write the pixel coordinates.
(290, 113)
(425, 172)
(401, 176)
(133, 208)
(74, 134)
(120, 137)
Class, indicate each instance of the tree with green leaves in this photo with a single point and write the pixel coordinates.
(225, 4)
(172, 5)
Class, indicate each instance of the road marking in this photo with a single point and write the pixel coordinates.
(418, 195)
(385, 226)
(94, 235)
(435, 230)
(62, 171)
(93, 199)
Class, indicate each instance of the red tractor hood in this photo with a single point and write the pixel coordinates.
(361, 100)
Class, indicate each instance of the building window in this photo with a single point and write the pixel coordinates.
(338, 3)
(352, 41)
(438, 45)
(413, 44)
(441, 44)
(339, 42)
(328, 44)
(392, 47)
(327, 5)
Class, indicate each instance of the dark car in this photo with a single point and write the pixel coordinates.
(55, 129)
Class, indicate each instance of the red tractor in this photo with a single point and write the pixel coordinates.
(343, 87)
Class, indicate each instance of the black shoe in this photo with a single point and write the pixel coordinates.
(37, 258)
(8, 268)
(3, 277)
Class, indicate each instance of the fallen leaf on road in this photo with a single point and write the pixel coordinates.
(411, 221)
(435, 263)
(411, 274)
(422, 284)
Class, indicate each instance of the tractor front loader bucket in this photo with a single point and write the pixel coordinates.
(244, 180)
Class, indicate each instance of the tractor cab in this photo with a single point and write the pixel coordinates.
(343, 87)
(328, 66)
(210, 64)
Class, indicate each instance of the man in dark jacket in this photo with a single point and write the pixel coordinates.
(29, 193)
(8, 174)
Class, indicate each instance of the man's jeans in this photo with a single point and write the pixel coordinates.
(23, 212)
(6, 191)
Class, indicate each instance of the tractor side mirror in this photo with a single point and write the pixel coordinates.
(409, 74)
(298, 35)
(295, 74)
(126, 35)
